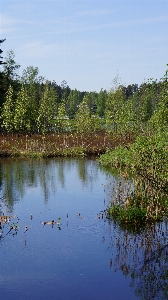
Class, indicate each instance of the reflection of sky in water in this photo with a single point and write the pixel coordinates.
(89, 258)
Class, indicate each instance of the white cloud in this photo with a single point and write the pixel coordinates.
(39, 49)
(7, 24)
(120, 24)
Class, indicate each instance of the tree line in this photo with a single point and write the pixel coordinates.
(29, 104)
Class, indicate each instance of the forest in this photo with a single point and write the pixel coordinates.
(31, 104)
(125, 127)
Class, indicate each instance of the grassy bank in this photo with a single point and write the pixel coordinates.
(146, 162)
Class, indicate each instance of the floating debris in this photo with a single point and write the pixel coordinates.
(6, 219)
(53, 222)
(50, 223)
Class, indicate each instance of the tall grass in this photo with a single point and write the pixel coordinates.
(51, 145)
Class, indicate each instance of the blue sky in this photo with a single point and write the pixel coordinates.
(87, 43)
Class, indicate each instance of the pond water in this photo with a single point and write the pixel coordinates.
(59, 244)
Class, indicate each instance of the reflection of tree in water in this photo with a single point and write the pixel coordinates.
(0, 176)
(143, 257)
(87, 171)
(19, 174)
(82, 170)
(61, 171)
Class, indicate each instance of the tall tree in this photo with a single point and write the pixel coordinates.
(58, 90)
(114, 103)
(101, 102)
(91, 100)
(33, 84)
(1, 51)
(72, 103)
(65, 90)
(47, 109)
(62, 120)
(7, 114)
(2, 77)
(83, 118)
(21, 120)
(159, 120)
(30, 75)
(127, 117)
(11, 71)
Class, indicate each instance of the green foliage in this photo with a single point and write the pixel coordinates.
(127, 118)
(65, 90)
(147, 160)
(91, 100)
(96, 123)
(47, 109)
(33, 85)
(148, 155)
(83, 118)
(73, 152)
(131, 215)
(62, 122)
(116, 158)
(127, 110)
(30, 76)
(21, 122)
(159, 120)
(101, 102)
(114, 103)
(7, 114)
(74, 99)
(10, 69)
(31, 106)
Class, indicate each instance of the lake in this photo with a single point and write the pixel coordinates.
(56, 241)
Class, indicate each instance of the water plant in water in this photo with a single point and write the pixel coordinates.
(135, 203)
(147, 162)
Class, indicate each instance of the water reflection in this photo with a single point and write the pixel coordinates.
(140, 254)
(17, 175)
(143, 258)
(58, 241)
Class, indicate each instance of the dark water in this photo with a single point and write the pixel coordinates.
(84, 256)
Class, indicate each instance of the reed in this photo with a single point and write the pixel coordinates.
(51, 145)
(136, 203)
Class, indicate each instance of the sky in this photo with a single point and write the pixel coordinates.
(88, 43)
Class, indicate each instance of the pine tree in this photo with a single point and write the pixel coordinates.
(1, 62)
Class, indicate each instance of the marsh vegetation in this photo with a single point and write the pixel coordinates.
(126, 127)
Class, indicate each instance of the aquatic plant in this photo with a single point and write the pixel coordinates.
(134, 203)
